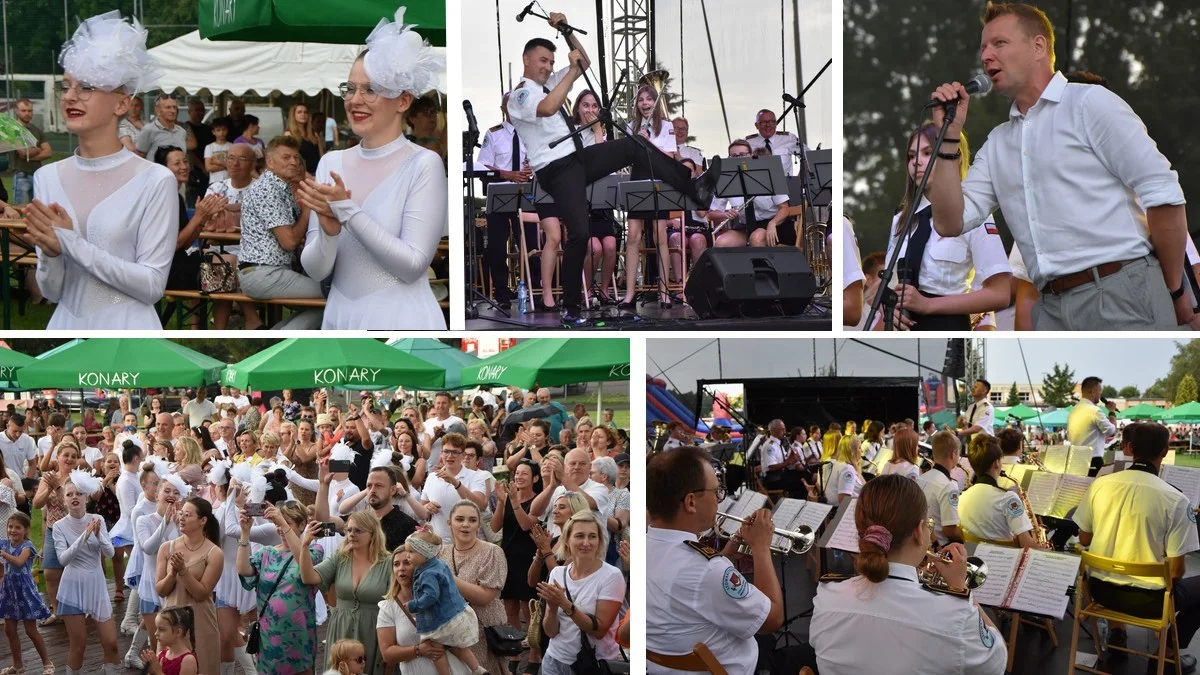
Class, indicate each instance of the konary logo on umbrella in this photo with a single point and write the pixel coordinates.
(340, 375)
(7, 372)
(224, 12)
(619, 371)
(488, 373)
(119, 378)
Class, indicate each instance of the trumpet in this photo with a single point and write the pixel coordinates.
(799, 541)
(928, 574)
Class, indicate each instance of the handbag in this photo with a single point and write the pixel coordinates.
(217, 275)
(615, 666)
(536, 635)
(254, 640)
(586, 662)
(503, 640)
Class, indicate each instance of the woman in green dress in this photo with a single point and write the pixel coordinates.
(359, 573)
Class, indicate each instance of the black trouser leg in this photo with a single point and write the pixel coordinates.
(1097, 464)
(605, 158)
(499, 225)
(566, 181)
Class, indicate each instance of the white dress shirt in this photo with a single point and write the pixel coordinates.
(1073, 176)
(983, 414)
(538, 132)
(941, 497)
(948, 262)
(497, 148)
(664, 139)
(783, 145)
(1088, 425)
(843, 480)
(990, 512)
(851, 261)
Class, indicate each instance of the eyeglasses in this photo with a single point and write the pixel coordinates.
(451, 452)
(82, 91)
(718, 492)
(349, 89)
(739, 154)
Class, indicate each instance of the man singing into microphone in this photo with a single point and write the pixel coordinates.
(538, 113)
(1094, 207)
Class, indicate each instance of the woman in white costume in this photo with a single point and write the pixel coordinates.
(104, 220)
(379, 208)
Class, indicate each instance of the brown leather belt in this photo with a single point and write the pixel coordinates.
(1063, 284)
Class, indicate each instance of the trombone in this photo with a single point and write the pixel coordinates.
(799, 541)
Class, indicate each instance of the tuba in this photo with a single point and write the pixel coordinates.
(816, 251)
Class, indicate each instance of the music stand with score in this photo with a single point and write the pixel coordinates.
(750, 177)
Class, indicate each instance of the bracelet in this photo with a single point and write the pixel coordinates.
(459, 486)
(955, 141)
(243, 543)
(1177, 293)
(945, 155)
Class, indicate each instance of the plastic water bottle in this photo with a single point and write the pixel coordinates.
(522, 298)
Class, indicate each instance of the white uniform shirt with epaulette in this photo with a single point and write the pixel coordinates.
(783, 145)
(983, 414)
(497, 148)
(941, 497)
(991, 512)
(909, 629)
(843, 480)
(1136, 516)
(695, 595)
(538, 132)
(772, 453)
(691, 152)
(949, 264)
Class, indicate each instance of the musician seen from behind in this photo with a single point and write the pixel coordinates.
(989, 511)
(774, 142)
(853, 280)
(738, 224)
(1088, 424)
(941, 491)
(1135, 516)
(910, 628)
(1010, 440)
(695, 595)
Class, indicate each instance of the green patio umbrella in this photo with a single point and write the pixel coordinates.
(315, 20)
(334, 362)
(120, 363)
(1188, 412)
(943, 417)
(551, 362)
(1142, 411)
(1054, 418)
(431, 351)
(1021, 412)
(10, 362)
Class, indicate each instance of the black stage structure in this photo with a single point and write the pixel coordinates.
(821, 400)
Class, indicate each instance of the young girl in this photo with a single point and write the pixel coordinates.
(173, 628)
(348, 657)
(439, 610)
(19, 597)
(648, 119)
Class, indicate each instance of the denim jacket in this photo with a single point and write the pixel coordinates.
(436, 599)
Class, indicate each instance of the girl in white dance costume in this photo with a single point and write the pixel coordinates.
(379, 208)
(147, 503)
(104, 221)
(81, 542)
(152, 532)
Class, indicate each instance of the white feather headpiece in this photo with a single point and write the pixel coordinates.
(399, 59)
(86, 482)
(184, 488)
(381, 457)
(218, 473)
(258, 488)
(161, 466)
(341, 452)
(242, 472)
(109, 53)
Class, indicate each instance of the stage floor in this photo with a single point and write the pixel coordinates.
(817, 318)
(1035, 655)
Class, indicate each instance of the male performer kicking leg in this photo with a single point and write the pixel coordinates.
(537, 111)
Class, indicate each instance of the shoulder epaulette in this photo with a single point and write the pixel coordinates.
(498, 127)
(703, 549)
(942, 590)
(782, 133)
(835, 578)
(752, 137)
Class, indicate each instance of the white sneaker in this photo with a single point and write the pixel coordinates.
(133, 661)
(129, 629)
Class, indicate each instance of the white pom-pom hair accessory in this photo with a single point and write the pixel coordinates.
(242, 472)
(109, 53)
(86, 482)
(184, 488)
(161, 466)
(258, 488)
(219, 473)
(399, 60)
(342, 452)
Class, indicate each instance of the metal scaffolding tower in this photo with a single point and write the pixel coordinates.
(633, 48)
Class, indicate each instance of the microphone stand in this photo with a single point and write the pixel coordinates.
(806, 214)
(470, 141)
(887, 296)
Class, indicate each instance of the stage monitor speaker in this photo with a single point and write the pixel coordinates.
(750, 282)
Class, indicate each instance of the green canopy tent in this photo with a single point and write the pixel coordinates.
(120, 363)
(1142, 411)
(1054, 418)
(315, 20)
(942, 418)
(63, 347)
(435, 352)
(335, 362)
(1021, 412)
(12, 361)
(1188, 413)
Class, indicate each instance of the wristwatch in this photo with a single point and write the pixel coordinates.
(571, 612)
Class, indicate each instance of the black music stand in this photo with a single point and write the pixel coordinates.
(506, 197)
(820, 177)
(605, 193)
(656, 196)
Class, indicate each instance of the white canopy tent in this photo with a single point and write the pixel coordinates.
(192, 64)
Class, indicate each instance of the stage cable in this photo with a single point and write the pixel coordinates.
(499, 50)
(1032, 391)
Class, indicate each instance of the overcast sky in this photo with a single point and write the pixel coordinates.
(746, 42)
(1119, 362)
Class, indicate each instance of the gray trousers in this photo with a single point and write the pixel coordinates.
(269, 282)
(1135, 298)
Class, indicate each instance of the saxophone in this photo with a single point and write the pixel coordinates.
(1039, 530)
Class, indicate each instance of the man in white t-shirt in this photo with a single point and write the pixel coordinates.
(224, 396)
(558, 480)
(451, 483)
(240, 400)
(440, 419)
(18, 448)
(56, 426)
(199, 409)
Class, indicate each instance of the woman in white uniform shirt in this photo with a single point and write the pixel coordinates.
(845, 478)
(904, 455)
(987, 510)
(944, 300)
(650, 122)
(887, 602)
(379, 208)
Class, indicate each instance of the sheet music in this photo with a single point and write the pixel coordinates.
(1106, 469)
(881, 459)
(1079, 461)
(813, 515)
(1020, 472)
(1054, 457)
(1186, 479)
(845, 537)
(748, 503)
(785, 515)
(1042, 588)
(1070, 492)
(1002, 566)
(1170, 458)
(1042, 487)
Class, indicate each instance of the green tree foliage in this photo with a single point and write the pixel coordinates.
(1058, 386)
(1186, 361)
(1109, 391)
(1013, 398)
(1187, 391)
(1156, 390)
(1129, 392)
(897, 53)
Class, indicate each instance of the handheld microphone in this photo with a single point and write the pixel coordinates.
(471, 124)
(980, 84)
(525, 12)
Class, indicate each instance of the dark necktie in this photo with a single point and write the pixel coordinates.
(769, 146)
(971, 414)
(516, 151)
(570, 123)
(916, 247)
